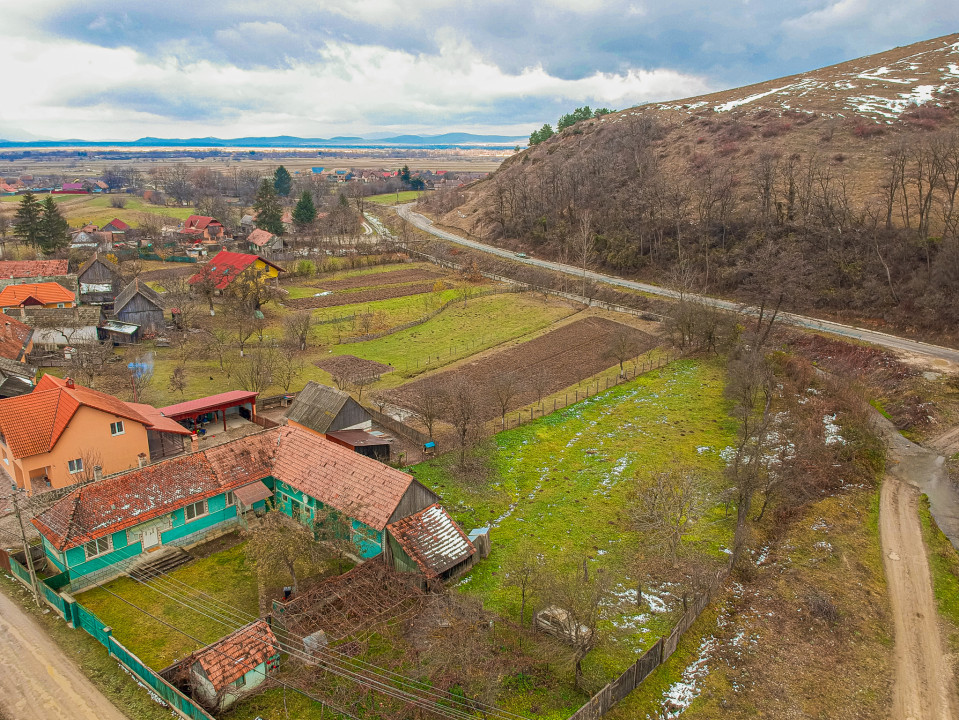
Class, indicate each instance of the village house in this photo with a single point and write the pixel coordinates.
(100, 281)
(45, 295)
(225, 267)
(232, 667)
(203, 227)
(140, 305)
(102, 529)
(71, 431)
(116, 226)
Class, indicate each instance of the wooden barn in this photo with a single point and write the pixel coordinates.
(100, 281)
(140, 305)
(322, 409)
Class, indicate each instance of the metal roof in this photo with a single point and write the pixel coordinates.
(360, 438)
(432, 539)
(120, 327)
(209, 404)
(316, 406)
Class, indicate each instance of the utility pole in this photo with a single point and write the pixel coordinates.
(26, 547)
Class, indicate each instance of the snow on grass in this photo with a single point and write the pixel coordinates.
(832, 430)
(682, 693)
(725, 107)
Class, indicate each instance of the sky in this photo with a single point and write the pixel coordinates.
(125, 69)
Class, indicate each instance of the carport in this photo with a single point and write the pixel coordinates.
(192, 412)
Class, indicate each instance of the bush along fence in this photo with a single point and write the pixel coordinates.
(79, 618)
(607, 698)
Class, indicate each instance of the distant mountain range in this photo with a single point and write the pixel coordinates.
(282, 141)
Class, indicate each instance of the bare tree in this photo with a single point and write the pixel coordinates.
(461, 410)
(256, 370)
(585, 245)
(279, 543)
(296, 328)
(523, 570)
(178, 379)
(505, 387)
(623, 347)
(576, 599)
(289, 367)
(667, 504)
(426, 402)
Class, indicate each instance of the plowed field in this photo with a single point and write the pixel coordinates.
(361, 296)
(352, 367)
(562, 357)
(393, 277)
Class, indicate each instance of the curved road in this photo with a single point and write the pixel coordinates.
(892, 342)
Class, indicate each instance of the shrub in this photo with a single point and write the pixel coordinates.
(118, 201)
(864, 129)
(775, 129)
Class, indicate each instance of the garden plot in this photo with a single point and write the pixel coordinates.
(561, 487)
(541, 366)
(390, 277)
(360, 296)
(352, 367)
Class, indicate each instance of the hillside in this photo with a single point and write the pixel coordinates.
(851, 171)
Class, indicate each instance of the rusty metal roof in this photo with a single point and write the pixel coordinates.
(432, 539)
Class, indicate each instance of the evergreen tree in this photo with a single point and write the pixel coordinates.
(269, 212)
(282, 182)
(538, 136)
(405, 174)
(304, 214)
(28, 220)
(54, 230)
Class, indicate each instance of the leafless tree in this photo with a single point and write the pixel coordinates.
(505, 388)
(523, 570)
(178, 379)
(289, 366)
(296, 328)
(426, 402)
(256, 370)
(667, 505)
(461, 410)
(622, 347)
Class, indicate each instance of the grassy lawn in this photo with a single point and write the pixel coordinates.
(395, 198)
(226, 576)
(944, 566)
(96, 209)
(561, 486)
(90, 656)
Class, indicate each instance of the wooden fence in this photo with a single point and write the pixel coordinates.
(607, 698)
(398, 427)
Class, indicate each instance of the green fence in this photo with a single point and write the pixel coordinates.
(52, 597)
(58, 581)
(181, 258)
(149, 256)
(173, 697)
(20, 571)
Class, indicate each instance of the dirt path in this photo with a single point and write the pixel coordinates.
(37, 681)
(924, 689)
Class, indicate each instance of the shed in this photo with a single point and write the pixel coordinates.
(323, 409)
(119, 333)
(139, 304)
(430, 543)
(230, 668)
(100, 281)
(16, 378)
(373, 444)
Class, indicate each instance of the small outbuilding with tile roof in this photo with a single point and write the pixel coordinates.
(429, 543)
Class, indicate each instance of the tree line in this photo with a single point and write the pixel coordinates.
(565, 121)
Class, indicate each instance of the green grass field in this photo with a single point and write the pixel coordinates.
(82, 209)
(561, 488)
(395, 198)
(226, 576)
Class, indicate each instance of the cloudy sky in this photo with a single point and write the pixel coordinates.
(123, 69)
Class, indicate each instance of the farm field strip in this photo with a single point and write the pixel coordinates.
(559, 359)
(360, 296)
(394, 277)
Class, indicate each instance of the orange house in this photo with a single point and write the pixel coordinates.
(47, 294)
(61, 432)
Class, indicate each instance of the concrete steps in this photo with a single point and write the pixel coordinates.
(159, 562)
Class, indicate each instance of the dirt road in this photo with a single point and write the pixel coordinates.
(37, 681)
(924, 687)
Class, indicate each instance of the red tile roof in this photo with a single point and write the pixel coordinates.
(260, 237)
(116, 224)
(200, 222)
(14, 338)
(366, 489)
(363, 487)
(41, 293)
(50, 407)
(432, 539)
(189, 408)
(225, 266)
(32, 268)
(157, 420)
(229, 658)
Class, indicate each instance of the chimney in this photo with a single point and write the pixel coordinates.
(194, 443)
(141, 459)
(97, 472)
(70, 382)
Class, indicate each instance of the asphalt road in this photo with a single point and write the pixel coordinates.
(893, 342)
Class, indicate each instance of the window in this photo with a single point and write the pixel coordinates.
(97, 547)
(60, 305)
(230, 498)
(240, 681)
(75, 466)
(195, 510)
(116, 428)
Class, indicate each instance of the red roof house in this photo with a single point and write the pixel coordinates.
(115, 225)
(16, 339)
(32, 268)
(225, 266)
(47, 294)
